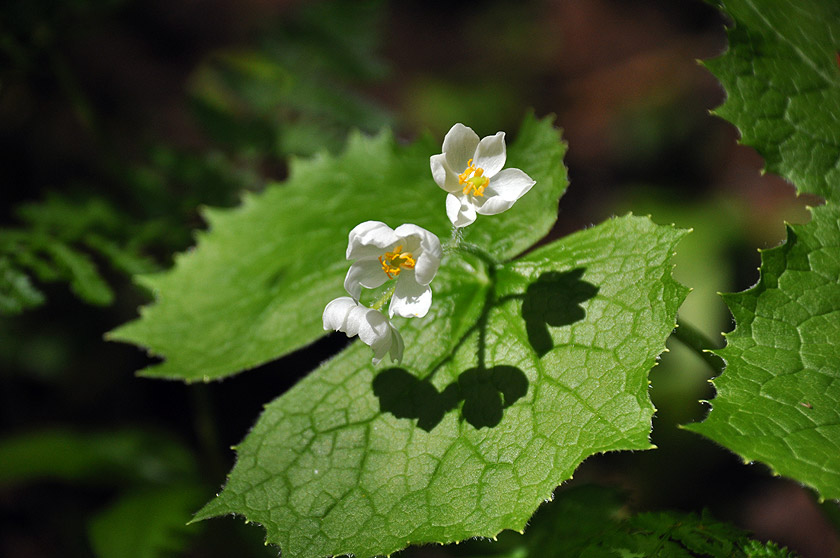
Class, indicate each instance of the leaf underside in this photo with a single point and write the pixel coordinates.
(254, 288)
(778, 400)
(520, 372)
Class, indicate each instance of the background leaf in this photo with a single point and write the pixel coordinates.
(594, 522)
(783, 84)
(60, 241)
(298, 91)
(255, 287)
(518, 374)
(16, 290)
(145, 523)
(778, 398)
(70, 455)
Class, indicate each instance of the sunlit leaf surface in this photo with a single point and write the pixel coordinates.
(778, 400)
(255, 286)
(520, 372)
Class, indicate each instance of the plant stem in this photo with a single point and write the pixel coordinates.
(457, 235)
(701, 343)
(205, 428)
(468, 248)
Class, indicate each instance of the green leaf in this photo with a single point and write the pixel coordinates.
(145, 523)
(121, 258)
(255, 287)
(296, 93)
(519, 373)
(783, 83)
(756, 549)
(591, 521)
(16, 290)
(60, 241)
(777, 401)
(73, 456)
(85, 280)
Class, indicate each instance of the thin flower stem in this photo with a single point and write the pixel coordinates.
(477, 251)
(457, 235)
(386, 296)
(701, 343)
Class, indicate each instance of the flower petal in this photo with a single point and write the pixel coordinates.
(493, 205)
(370, 239)
(372, 327)
(503, 191)
(347, 315)
(364, 273)
(491, 153)
(411, 299)
(426, 249)
(427, 266)
(510, 184)
(460, 210)
(336, 313)
(375, 331)
(444, 176)
(459, 146)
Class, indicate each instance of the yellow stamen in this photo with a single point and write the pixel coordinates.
(474, 179)
(394, 262)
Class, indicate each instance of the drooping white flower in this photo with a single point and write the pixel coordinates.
(372, 327)
(409, 253)
(471, 172)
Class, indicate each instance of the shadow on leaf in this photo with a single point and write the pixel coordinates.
(485, 393)
(554, 300)
(405, 396)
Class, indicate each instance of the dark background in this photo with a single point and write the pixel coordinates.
(155, 108)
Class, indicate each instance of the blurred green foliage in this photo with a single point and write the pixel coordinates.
(121, 206)
(594, 522)
(293, 93)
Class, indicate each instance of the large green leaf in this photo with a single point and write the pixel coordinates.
(519, 373)
(256, 285)
(778, 400)
(783, 84)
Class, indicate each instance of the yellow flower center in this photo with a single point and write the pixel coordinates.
(394, 262)
(474, 180)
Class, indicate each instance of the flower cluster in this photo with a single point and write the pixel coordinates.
(470, 171)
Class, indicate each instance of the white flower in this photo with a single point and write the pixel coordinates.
(372, 327)
(409, 253)
(471, 171)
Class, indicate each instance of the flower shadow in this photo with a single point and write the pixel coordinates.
(553, 300)
(485, 393)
